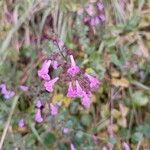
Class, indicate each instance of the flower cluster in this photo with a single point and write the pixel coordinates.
(80, 84)
(94, 13)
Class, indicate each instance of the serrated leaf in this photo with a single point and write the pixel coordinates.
(136, 137)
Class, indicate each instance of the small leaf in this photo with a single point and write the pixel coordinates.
(49, 139)
(136, 137)
(86, 120)
(139, 99)
(116, 114)
(112, 140)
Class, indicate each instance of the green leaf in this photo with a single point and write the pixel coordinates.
(49, 139)
(136, 137)
(115, 60)
(74, 108)
(132, 22)
(62, 147)
(79, 135)
(110, 41)
(145, 129)
(112, 140)
(86, 120)
(139, 99)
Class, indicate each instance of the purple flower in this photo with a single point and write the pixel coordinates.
(3, 88)
(92, 22)
(86, 19)
(94, 138)
(24, 88)
(60, 43)
(72, 147)
(38, 103)
(100, 6)
(43, 72)
(94, 82)
(49, 84)
(55, 64)
(90, 10)
(104, 148)
(54, 109)
(21, 123)
(7, 94)
(38, 117)
(85, 101)
(74, 69)
(79, 90)
(66, 130)
(71, 91)
(126, 146)
(97, 21)
(102, 18)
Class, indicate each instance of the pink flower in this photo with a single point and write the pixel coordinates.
(111, 146)
(85, 101)
(94, 82)
(3, 88)
(43, 72)
(60, 43)
(72, 147)
(102, 17)
(92, 22)
(7, 94)
(49, 84)
(94, 138)
(38, 117)
(126, 146)
(21, 123)
(71, 91)
(74, 69)
(55, 64)
(97, 20)
(104, 148)
(100, 6)
(54, 109)
(90, 10)
(66, 130)
(24, 88)
(38, 103)
(79, 90)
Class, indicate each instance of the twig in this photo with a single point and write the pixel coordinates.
(8, 121)
(139, 145)
(140, 85)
